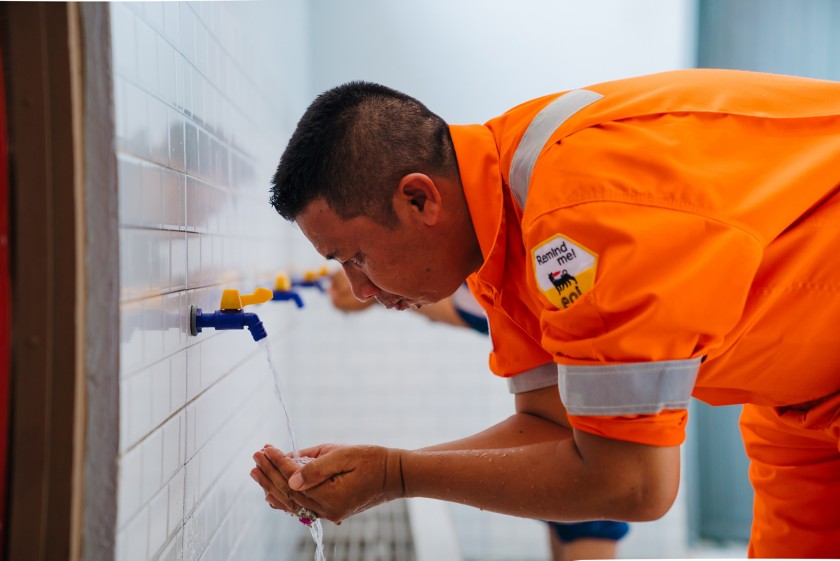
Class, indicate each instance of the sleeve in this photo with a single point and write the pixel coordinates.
(634, 296)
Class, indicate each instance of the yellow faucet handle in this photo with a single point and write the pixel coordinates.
(312, 275)
(232, 300)
(282, 283)
(259, 296)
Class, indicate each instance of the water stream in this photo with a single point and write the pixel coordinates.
(315, 528)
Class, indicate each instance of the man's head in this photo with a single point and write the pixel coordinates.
(371, 178)
(351, 148)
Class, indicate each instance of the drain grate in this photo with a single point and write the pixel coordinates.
(382, 533)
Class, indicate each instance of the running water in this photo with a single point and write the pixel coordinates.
(315, 528)
(278, 391)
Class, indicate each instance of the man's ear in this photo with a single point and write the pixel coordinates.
(418, 197)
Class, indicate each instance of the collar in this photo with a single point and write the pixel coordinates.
(481, 178)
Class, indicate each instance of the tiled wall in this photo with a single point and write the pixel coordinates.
(205, 98)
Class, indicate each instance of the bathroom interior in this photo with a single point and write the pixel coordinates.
(139, 140)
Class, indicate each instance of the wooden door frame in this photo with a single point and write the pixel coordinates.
(64, 432)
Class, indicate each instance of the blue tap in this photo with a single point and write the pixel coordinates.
(303, 283)
(283, 290)
(312, 279)
(230, 314)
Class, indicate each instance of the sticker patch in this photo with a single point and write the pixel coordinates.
(565, 271)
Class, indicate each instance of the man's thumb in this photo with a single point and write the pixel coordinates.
(296, 481)
(300, 481)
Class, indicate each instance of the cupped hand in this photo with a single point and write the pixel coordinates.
(272, 472)
(345, 480)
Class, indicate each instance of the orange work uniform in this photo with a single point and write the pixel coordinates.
(671, 235)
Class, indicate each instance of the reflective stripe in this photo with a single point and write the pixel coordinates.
(616, 389)
(627, 389)
(534, 379)
(539, 131)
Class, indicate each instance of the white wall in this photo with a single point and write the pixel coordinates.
(469, 60)
(396, 379)
(205, 96)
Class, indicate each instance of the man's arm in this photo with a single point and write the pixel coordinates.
(525, 466)
(587, 477)
(532, 465)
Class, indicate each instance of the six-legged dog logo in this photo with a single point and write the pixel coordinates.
(564, 270)
(561, 280)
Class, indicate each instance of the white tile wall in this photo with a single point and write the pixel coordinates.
(202, 113)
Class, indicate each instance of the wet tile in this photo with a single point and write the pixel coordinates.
(147, 59)
(166, 72)
(177, 154)
(124, 41)
(172, 23)
(187, 19)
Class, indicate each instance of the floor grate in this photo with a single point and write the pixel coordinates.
(382, 533)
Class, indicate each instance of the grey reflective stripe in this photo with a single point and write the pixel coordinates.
(539, 131)
(534, 379)
(627, 389)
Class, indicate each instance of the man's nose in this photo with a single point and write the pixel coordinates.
(360, 285)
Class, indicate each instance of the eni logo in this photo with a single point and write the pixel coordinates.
(562, 280)
(564, 270)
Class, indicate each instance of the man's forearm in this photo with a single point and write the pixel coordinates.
(554, 479)
(520, 429)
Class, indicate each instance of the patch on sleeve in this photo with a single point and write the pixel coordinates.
(564, 270)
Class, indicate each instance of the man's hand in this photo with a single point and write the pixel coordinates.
(339, 482)
(272, 472)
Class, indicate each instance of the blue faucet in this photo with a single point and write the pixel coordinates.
(230, 314)
(312, 279)
(283, 290)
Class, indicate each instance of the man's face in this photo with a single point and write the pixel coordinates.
(395, 266)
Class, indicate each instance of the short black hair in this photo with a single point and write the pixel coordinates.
(353, 145)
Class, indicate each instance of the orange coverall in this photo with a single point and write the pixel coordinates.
(671, 235)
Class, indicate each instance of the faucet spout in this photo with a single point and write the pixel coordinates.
(230, 314)
(281, 295)
(283, 290)
(312, 279)
(226, 319)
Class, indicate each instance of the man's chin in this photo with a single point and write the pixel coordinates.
(401, 304)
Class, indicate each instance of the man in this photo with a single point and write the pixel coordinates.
(633, 243)
(568, 541)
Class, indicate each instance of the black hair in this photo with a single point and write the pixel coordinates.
(353, 145)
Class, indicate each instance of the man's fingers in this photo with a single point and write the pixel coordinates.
(272, 479)
(317, 451)
(282, 462)
(308, 476)
(274, 497)
(287, 499)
